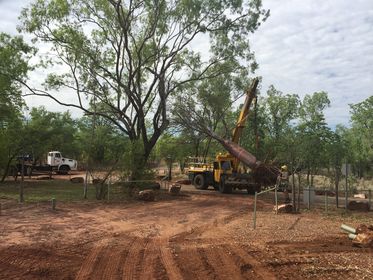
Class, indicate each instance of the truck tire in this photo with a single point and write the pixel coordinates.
(199, 182)
(223, 187)
(63, 170)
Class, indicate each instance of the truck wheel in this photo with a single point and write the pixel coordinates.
(199, 182)
(223, 187)
(63, 170)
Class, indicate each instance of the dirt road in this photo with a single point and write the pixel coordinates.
(194, 236)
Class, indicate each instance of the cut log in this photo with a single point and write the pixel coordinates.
(77, 180)
(283, 208)
(360, 195)
(364, 239)
(146, 195)
(42, 178)
(364, 228)
(174, 189)
(358, 206)
(97, 181)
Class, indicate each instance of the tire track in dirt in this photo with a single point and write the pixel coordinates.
(134, 259)
(224, 264)
(249, 262)
(167, 258)
(110, 266)
(149, 263)
(207, 266)
(191, 265)
(89, 263)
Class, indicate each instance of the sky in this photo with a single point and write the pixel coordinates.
(304, 46)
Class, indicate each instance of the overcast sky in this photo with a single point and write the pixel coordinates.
(303, 47)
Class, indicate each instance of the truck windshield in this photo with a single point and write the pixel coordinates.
(58, 155)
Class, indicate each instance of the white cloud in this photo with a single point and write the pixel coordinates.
(314, 45)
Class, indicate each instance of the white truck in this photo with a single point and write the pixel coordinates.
(60, 164)
(55, 162)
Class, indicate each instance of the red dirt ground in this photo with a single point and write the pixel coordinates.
(198, 235)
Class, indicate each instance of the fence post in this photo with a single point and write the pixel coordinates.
(276, 200)
(326, 200)
(309, 197)
(346, 188)
(254, 220)
(370, 198)
(53, 203)
(108, 190)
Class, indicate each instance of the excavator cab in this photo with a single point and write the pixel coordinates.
(222, 168)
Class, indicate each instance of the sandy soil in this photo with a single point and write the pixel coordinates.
(198, 235)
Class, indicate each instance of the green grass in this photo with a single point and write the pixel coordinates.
(37, 191)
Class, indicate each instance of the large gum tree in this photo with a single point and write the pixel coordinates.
(135, 56)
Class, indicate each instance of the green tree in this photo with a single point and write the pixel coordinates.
(49, 131)
(212, 102)
(314, 133)
(269, 125)
(133, 56)
(14, 65)
(279, 109)
(11, 141)
(360, 136)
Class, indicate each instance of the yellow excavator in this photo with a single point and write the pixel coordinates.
(224, 174)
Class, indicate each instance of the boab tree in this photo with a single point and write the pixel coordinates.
(134, 55)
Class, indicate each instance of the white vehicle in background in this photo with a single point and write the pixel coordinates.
(55, 162)
(60, 164)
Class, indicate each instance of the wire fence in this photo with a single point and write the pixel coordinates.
(326, 198)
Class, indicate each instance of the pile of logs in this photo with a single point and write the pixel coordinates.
(362, 236)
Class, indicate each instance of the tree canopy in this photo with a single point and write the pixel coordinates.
(14, 57)
(133, 56)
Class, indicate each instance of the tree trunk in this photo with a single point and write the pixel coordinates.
(336, 184)
(293, 187)
(298, 199)
(139, 160)
(308, 175)
(11, 157)
(6, 171)
(21, 197)
(207, 148)
(196, 149)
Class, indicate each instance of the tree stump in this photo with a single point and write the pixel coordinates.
(174, 189)
(358, 206)
(146, 195)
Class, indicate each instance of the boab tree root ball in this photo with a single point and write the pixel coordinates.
(266, 175)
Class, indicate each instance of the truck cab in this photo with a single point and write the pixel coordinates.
(61, 164)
